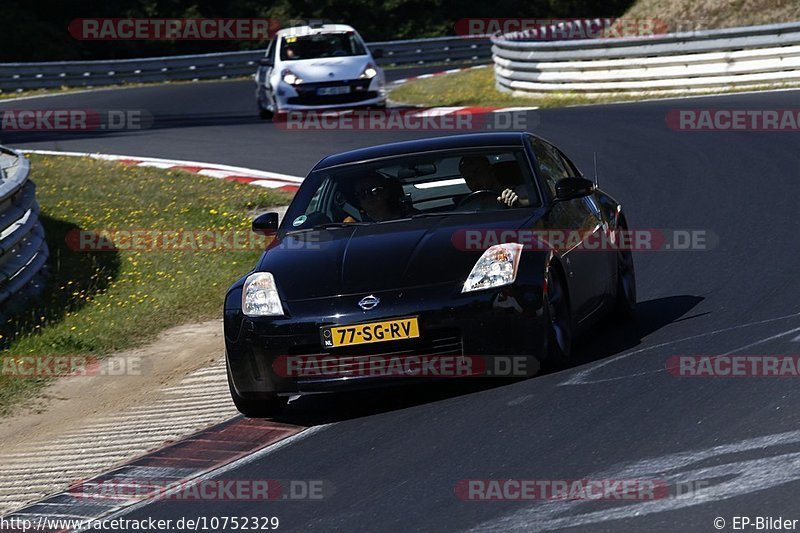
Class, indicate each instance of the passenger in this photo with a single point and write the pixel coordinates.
(479, 175)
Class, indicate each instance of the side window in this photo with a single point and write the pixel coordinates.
(573, 172)
(569, 165)
(357, 45)
(551, 166)
(588, 201)
(263, 70)
(270, 53)
(316, 201)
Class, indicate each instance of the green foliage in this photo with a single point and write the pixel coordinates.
(36, 30)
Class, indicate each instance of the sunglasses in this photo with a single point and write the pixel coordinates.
(372, 192)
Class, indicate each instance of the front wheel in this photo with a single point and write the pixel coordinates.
(267, 406)
(266, 107)
(558, 320)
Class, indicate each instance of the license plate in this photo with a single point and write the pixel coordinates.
(330, 91)
(388, 330)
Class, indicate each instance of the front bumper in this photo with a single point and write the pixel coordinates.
(503, 321)
(378, 101)
(305, 97)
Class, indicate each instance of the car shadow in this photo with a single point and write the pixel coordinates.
(609, 337)
(606, 339)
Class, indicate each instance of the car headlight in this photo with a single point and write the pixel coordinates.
(496, 267)
(290, 77)
(260, 296)
(369, 72)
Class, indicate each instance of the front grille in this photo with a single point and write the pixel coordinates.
(333, 99)
(307, 93)
(442, 342)
(436, 353)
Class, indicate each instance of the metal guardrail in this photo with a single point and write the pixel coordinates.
(24, 76)
(23, 250)
(690, 61)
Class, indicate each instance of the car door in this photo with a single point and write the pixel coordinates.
(601, 259)
(572, 223)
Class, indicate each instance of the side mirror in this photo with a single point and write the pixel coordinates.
(266, 223)
(377, 53)
(265, 62)
(570, 188)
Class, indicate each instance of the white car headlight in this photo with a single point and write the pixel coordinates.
(496, 267)
(260, 296)
(290, 77)
(369, 72)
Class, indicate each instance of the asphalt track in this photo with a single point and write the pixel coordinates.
(395, 457)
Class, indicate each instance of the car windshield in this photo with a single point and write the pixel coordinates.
(321, 45)
(415, 185)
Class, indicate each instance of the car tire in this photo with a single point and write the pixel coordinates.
(557, 320)
(264, 407)
(267, 107)
(625, 297)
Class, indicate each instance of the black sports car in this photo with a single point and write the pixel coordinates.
(424, 248)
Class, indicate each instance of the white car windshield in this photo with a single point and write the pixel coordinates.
(322, 45)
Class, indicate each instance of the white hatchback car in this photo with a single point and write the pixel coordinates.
(318, 66)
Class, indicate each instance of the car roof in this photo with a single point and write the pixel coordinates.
(468, 140)
(300, 31)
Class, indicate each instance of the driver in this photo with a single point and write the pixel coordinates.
(381, 198)
(480, 176)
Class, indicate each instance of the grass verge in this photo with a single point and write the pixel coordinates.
(476, 87)
(102, 301)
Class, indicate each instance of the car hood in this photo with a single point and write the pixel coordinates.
(377, 257)
(328, 68)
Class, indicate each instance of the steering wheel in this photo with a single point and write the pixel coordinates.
(471, 197)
